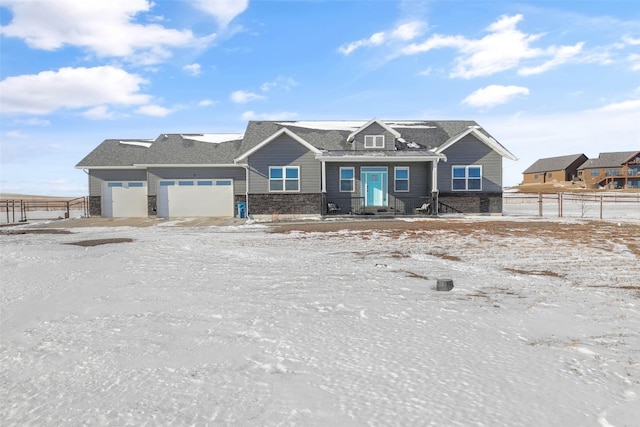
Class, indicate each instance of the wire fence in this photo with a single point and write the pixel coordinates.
(16, 211)
(573, 205)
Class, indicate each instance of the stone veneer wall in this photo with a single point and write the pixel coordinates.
(285, 204)
(487, 203)
(152, 205)
(95, 206)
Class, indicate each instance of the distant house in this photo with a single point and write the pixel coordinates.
(563, 168)
(301, 168)
(612, 170)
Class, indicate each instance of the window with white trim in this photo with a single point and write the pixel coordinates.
(284, 178)
(374, 141)
(466, 178)
(401, 179)
(347, 180)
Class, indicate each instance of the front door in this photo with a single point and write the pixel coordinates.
(374, 186)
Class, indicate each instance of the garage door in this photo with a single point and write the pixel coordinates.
(195, 197)
(124, 199)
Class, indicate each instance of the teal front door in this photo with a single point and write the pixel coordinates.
(374, 185)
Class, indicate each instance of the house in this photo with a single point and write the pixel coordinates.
(298, 168)
(563, 168)
(612, 170)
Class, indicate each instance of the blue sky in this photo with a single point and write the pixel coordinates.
(545, 78)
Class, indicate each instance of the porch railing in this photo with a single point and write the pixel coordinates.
(356, 206)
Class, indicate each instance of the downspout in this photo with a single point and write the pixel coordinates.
(434, 186)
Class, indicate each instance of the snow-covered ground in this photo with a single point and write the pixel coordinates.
(242, 326)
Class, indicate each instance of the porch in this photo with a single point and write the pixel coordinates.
(406, 206)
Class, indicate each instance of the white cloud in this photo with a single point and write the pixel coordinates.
(207, 103)
(560, 54)
(493, 95)
(242, 97)
(281, 115)
(623, 106)
(106, 28)
(154, 110)
(224, 11)
(631, 40)
(403, 32)
(68, 87)
(192, 69)
(635, 61)
(284, 83)
(504, 47)
(15, 134)
(33, 121)
(100, 112)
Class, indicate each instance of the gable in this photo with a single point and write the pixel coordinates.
(478, 135)
(274, 137)
(373, 127)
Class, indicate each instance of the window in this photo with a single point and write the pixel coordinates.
(185, 183)
(535, 176)
(347, 180)
(550, 174)
(402, 179)
(374, 141)
(466, 178)
(613, 172)
(136, 184)
(205, 183)
(114, 184)
(284, 178)
(167, 183)
(595, 172)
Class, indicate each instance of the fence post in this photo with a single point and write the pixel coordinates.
(540, 204)
(559, 205)
(601, 197)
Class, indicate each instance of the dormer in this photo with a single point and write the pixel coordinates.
(374, 135)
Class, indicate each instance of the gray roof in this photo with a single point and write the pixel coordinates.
(554, 163)
(173, 149)
(608, 160)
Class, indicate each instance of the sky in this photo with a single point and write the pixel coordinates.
(545, 78)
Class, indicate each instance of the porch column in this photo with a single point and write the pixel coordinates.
(323, 184)
(434, 186)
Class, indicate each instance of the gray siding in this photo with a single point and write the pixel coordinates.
(237, 174)
(374, 129)
(419, 179)
(470, 151)
(98, 176)
(284, 151)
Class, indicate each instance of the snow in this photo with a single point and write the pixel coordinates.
(349, 125)
(215, 138)
(242, 326)
(142, 143)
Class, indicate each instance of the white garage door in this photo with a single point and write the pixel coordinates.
(124, 199)
(195, 197)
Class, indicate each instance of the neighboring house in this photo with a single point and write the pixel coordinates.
(612, 170)
(293, 168)
(563, 168)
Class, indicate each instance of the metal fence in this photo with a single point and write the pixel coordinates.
(16, 211)
(573, 205)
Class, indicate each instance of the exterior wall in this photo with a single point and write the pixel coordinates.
(285, 204)
(152, 205)
(374, 129)
(95, 205)
(284, 151)
(469, 202)
(238, 174)
(419, 184)
(467, 152)
(98, 176)
(534, 178)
